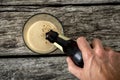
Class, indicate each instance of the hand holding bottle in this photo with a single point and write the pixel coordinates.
(99, 63)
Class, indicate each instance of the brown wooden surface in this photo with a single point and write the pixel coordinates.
(92, 21)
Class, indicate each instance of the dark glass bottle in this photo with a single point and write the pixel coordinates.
(67, 45)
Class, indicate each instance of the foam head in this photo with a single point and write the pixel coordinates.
(35, 29)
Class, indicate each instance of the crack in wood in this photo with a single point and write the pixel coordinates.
(10, 44)
(63, 5)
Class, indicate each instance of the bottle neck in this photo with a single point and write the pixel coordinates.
(59, 41)
(62, 40)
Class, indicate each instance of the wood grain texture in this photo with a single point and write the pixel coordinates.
(91, 21)
(54, 68)
(50, 2)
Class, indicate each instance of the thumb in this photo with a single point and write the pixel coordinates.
(75, 70)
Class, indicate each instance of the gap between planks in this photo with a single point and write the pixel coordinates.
(63, 5)
(33, 56)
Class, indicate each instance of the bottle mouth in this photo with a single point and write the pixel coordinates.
(51, 36)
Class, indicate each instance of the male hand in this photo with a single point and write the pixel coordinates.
(99, 63)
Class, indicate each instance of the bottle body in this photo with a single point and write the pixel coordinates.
(73, 51)
(66, 45)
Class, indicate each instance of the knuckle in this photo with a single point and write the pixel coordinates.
(99, 51)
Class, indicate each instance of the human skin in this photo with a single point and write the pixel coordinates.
(100, 63)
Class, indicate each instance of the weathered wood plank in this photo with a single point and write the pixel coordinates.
(48, 2)
(91, 21)
(54, 68)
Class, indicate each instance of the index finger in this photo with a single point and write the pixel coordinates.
(85, 48)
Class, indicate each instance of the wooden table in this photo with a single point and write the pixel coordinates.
(89, 18)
